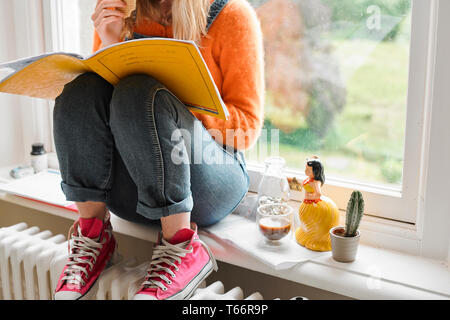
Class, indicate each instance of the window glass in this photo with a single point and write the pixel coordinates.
(336, 85)
(86, 25)
(78, 26)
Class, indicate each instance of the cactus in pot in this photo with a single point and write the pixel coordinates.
(355, 211)
(345, 240)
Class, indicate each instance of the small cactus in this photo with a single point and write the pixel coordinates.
(355, 211)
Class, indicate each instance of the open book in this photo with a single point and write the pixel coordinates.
(178, 64)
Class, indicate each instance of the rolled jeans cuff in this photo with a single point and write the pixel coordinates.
(185, 205)
(82, 194)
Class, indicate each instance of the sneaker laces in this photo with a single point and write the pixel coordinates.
(167, 253)
(82, 248)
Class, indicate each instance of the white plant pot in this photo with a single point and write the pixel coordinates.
(343, 248)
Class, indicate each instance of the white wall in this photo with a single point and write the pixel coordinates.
(11, 138)
(23, 120)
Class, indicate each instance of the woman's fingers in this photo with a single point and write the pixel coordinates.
(105, 4)
(107, 13)
(104, 20)
(96, 14)
(108, 20)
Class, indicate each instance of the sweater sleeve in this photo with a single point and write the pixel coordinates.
(241, 61)
(97, 43)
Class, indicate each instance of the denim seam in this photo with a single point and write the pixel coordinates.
(72, 189)
(245, 192)
(110, 172)
(242, 197)
(221, 147)
(164, 211)
(154, 133)
(173, 95)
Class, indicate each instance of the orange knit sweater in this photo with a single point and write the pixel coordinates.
(234, 55)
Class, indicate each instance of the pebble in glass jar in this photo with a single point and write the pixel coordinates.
(269, 200)
(39, 159)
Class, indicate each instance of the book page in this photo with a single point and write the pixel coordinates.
(175, 63)
(42, 76)
(22, 63)
(6, 72)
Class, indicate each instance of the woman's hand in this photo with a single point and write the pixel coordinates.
(108, 21)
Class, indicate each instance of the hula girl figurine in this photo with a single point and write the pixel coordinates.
(317, 213)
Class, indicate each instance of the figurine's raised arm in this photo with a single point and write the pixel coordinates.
(294, 184)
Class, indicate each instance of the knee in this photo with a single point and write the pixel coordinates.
(79, 95)
(137, 98)
(136, 84)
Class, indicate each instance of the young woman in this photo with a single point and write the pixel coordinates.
(115, 144)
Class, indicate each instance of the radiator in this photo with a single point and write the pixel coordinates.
(32, 260)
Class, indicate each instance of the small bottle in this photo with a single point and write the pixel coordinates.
(39, 159)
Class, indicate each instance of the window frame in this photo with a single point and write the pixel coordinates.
(398, 216)
(400, 204)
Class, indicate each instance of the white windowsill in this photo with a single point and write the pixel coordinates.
(377, 273)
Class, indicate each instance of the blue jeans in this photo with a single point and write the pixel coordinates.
(136, 147)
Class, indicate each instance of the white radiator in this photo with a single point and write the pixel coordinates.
(32, 260)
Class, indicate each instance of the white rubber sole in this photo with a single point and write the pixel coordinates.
(92, 292)
(189, 290)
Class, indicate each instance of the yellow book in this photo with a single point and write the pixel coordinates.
(178, 64)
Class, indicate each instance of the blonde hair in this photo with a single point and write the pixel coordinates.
(189, 18)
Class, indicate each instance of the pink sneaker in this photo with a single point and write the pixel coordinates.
(178, 267)
(91, 248)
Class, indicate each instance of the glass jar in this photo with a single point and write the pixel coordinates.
(274, 222)
(274, 186)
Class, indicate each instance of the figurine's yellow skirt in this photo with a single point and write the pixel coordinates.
(316, 220)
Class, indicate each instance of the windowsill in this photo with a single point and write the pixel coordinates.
(377, 273)
(376, 231)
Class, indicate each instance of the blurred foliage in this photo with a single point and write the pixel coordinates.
(354, 11)
(359, 124)
(357, 12)
(369, 132)
(327, 99)
(392, 170)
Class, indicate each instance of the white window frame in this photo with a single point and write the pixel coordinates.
(415, 219)
(397, 217)
(400, 204)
